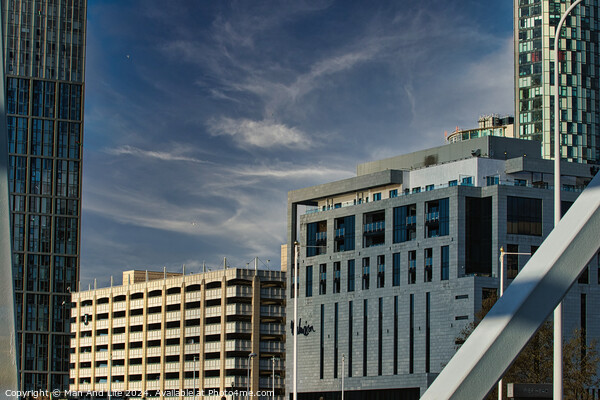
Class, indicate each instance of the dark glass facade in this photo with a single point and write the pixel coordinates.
(478, 235)
(524, 216)
(44, 55)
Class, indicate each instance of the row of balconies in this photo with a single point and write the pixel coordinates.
(211, 329)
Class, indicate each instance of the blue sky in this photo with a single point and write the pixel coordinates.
(200, 116)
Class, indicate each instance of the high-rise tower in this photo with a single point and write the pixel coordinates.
(44, 53)
(534, 27)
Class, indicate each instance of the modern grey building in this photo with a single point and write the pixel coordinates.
(44, 53)
(396, 261)
(534, 27)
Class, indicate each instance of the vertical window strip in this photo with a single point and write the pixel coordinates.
(350, 333)
(365, 327)
(427, 330)
(322, 354)
(380, 339)
(411, 337)
(395, 335)
(335, 341)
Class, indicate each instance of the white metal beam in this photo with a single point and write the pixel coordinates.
(526, 304)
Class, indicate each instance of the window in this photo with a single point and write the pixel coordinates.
(380, 338)
(428, 267)
(395, 335)
(524, 216)
(366, 273)
(350, 332)
(416, 190)
(437, 221)
(344, 234)
(376, 196)
(427, 330)
(335, 340)
(365, 330)
(380, 271)
(520, 182)
(316, 238)
(396, 270)
(445, 263)
(467, 181)
(492, 180)
(322, 355)
(351, 274)
(412, 267)
(336, 277)
(429, 188)
(584, 277)
(453, 183)
(323, 279)
(478, 235)
(405, 223)
(393, 193)
(411, 336)
(309, 280)
(374, 229)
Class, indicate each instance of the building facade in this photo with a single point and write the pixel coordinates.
(396, 261)
(487, 125)
(157, 333)
(534, 27)
(44, 54)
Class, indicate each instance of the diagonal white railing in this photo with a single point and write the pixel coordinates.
(525, 305)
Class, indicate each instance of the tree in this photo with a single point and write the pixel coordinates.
(535, 362)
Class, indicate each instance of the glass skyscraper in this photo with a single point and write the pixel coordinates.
(44, 54)
(535, 22)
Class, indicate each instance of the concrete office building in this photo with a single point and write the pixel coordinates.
(174, 332)
(44, 54)
(396, 261)
(534, 27)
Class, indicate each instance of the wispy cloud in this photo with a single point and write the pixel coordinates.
(158, 155)
(263, 133)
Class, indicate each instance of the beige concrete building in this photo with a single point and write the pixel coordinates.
(172, 332)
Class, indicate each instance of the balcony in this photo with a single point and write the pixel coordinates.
(173, 333)
(374, 227)
(433, 216)
(272, 311)
(267, 364)
(192, 331)
(102, 308)
(267, 383)
(239, 291)
(173, 315)
(154, 335)
(212, 382)
(172, 367)
(212, 347)
(174, 298)
(135, 304)
(154, 301)
(272, 347)
(239, 309)
(136, 336)
(239, 327)
(272, 329)
(153, 368)
(172, 350)
(212, 329)
(272, 293)
(211, 365)
(137, 320)
(153, 351)
(192, 313)
(238, 345)
(154, 318)
(213, 294)
(214, 311)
